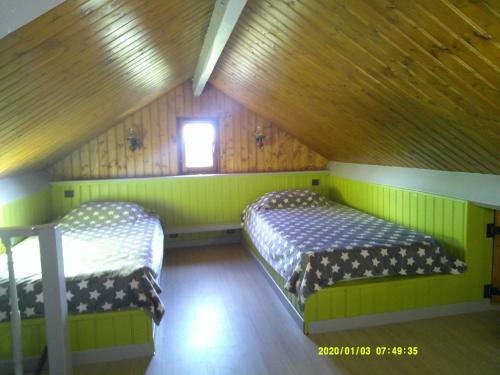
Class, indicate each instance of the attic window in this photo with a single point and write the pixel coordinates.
(198, 148)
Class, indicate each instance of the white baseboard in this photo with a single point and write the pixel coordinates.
(112, 354)
(116, 353)
(343, 324)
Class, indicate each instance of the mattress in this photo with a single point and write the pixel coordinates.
(313, 244)
(113, 253)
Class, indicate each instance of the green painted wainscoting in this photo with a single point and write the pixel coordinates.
(87, 331)
(33, 209)
(186, 200)
(460, 225)
(200, 200)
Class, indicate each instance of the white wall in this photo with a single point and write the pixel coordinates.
(482, 189)
(14, 188)
(16, 13)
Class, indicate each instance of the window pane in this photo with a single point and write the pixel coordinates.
(198, 138)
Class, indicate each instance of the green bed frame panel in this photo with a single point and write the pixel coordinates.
(186, 200)
(87, 331)
(33, 209)
(458, 224)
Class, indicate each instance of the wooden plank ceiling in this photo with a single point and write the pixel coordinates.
(405, 83)
(72, 72)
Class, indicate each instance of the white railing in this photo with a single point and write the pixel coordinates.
(54, 297)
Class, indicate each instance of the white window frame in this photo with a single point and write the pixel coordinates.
(183, 169)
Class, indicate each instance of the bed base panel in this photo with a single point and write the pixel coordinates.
(92, 336)
(343, 324)
(89, 356)
(372, 302)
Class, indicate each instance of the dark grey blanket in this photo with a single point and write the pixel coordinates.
(315, 247)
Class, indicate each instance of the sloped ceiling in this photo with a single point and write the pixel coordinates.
(16, 14)
(404, 83)
(72, 72)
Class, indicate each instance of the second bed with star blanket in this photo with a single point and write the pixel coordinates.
(313, 243)
(113, 254)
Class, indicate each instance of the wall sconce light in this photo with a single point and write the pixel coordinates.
(133, 140)
(259, 137)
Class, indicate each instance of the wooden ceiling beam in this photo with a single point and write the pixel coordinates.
(224, 17)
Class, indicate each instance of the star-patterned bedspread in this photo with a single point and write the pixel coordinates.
(113, 254)
(313, 247)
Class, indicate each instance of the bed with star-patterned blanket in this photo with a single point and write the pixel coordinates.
(313, 243)
(112, 252)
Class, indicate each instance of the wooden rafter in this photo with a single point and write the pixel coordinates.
(222, 23)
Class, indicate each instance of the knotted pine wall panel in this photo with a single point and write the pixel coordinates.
(108, 155)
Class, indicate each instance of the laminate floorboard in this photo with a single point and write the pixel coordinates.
(222, 317)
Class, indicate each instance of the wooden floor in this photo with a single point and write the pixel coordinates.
(224, 318)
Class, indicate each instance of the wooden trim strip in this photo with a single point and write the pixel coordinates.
(182, 176)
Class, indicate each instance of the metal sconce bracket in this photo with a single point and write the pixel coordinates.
(133, 140)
